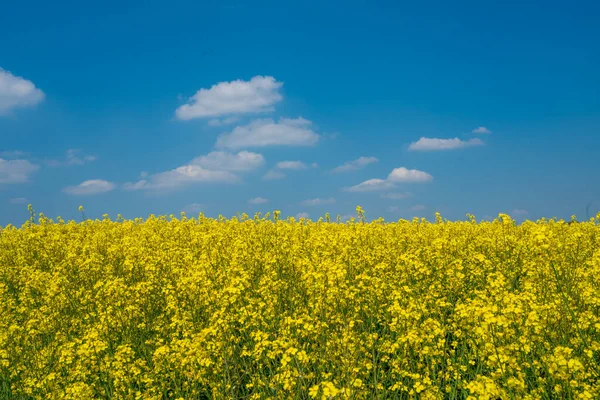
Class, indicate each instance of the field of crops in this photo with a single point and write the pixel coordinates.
(256, 308)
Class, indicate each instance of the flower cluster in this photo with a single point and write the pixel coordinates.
(256, 308)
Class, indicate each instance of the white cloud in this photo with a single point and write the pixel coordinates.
(258, 200)
(16, 171)
(418, 207)
(180, 177)
(272, 175)
(434, 144)
(12, 154)
(519, 212)
(193, 208)
(16, 92)
(292, 165)
(90, 187)
(396, 196)
(73, 157)
(224, 121)
(318, 202)
(223, 161)
(393, 209)
(405, 175)
(481, 129)
(371, 185)
(267, 132)
(354, 165)
(300, 215)
(18, 200)
(259, 94)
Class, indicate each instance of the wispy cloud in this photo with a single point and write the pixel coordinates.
(12, 154)
(16, 171)
(72, 157)
(17, 92)
(318, 202)
(18, 200)
(371, 185)
(258, 200)
(434, 144)
(273, 175)
(224, 121)
(301, 215)
(359, 163)
(257, 95)
(224, 161)
(519, 212)
(418, 207)
(481, 129)
(180, 177)
(267, 132)
(193, 208)
(90, 187)
(396, 196)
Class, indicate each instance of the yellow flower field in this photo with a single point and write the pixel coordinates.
(256, 308)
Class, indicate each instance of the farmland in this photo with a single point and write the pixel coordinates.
(264, 307)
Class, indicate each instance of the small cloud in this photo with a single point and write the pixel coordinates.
(258, 200)
(359, 163)
(371, 185)
(396, 196)
(224, 161)
(90, 187)
(18, 200)
(519, 212)
(180, 177)
(16, 171)
(405, 175)
(418, 207)
(193, 208)
(291, 165)
(17, 92)
(481, 129)
(13, 154)
(143, 174)
(273, 175)
(257, 95)
(72, 157)
(347, 217)
(301, 215)
(224, 121)
(433, 144)
(318, 202)
(267, 132)
(393, 209)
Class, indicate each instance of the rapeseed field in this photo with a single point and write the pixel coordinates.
(257, 308)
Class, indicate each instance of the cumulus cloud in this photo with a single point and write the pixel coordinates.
(16, 92)
(371, 185)
(180, 177)
(404, 175)
(258, 200)
(259, 94)
(481, 129)
(273, 175)
(267, 132)
(434, 144)
(90, 187)
(318, 202)
(398, 175)
(359, 163)
(224, 161)
(224, 121)
(16, 171)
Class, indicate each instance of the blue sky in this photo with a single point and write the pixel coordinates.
(306, 107)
